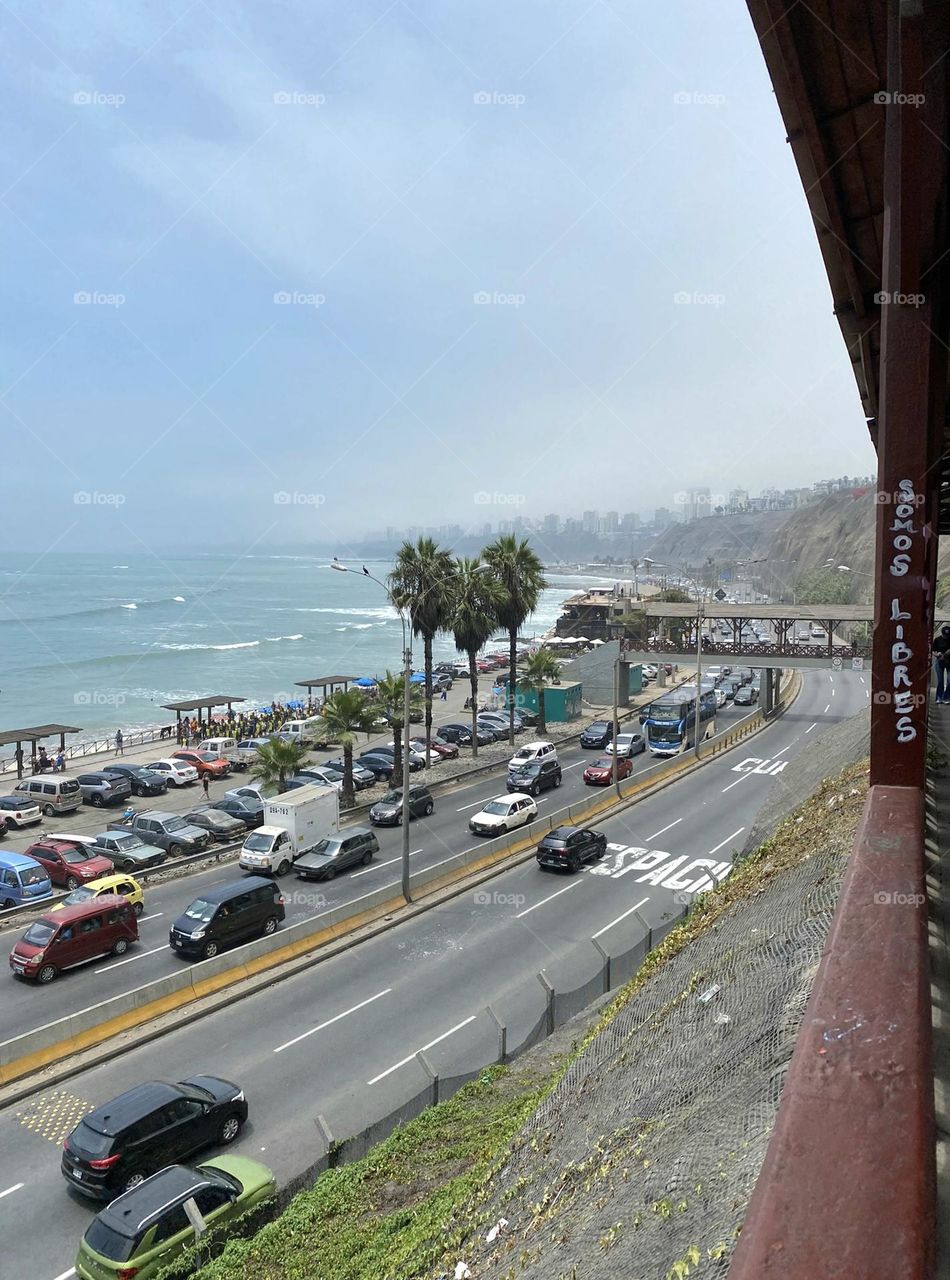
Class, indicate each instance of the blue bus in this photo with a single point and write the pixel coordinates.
(670, 726)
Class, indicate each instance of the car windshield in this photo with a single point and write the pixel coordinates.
(496, 806)
(108, 1242)
(599, 726)
(175, 824)
(605, 762)
(39, 933)
(33, 875)
(127, 842)
(258, 844)
(200, 910)
(74, 855)
(79, 896)
(392, 797)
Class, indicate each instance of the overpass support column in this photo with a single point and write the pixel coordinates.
(768, 691)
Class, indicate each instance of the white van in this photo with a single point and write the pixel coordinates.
(532, 752)
(302, 730)
(224, 749)
(56, 794)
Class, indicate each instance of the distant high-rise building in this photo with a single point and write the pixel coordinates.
(663, 517)
(630, 522)
(611, 522)
(591, 521)
(698, 504)
(738, 499)
(550, 523)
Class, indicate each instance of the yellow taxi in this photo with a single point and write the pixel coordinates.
(121, 883)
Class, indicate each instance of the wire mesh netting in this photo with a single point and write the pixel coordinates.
(647, 1152)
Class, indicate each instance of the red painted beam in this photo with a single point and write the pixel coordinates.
(846, 1191)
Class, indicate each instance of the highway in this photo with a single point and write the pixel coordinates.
(340, 1038)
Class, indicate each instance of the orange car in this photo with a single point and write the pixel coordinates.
(205, 762)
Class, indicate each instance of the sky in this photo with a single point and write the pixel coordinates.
(291, 272)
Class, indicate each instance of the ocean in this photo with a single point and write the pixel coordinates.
(102, 641)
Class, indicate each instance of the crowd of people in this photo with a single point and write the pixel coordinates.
(245, 724)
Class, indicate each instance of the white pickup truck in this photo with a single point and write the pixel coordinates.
(294, 823)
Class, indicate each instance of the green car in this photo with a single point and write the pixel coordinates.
(145, 1229)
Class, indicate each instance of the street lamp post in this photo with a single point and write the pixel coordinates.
(407, 675)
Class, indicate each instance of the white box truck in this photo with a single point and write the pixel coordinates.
(294, 823)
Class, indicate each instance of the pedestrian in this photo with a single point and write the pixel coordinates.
(941, 661)
(443, 696)
(118, 743)
(204, 785)
(59, 762)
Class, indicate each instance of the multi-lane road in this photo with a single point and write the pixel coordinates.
(340, 1038)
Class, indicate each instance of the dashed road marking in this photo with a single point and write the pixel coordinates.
(330, 1021)
(425, 1048)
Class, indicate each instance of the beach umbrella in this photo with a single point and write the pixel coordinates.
(598, 642)
(365, 682)
(294, 703)
(419, 677)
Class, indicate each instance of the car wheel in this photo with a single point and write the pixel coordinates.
(367, 858)
(138, 908)
(574, 864)
(557, 780)
(283, 867)
(270, 925)
(47, 973)
(209, 950)
(329, 873)
(120, 947)
(427, 811)
(7, 903)
(174, 850)
(49, 811)
(96, 799)
(399, 819)
(535, 791)
(229, 1130)
(134, 1181)
(72, 883)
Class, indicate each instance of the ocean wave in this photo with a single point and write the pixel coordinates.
(275, 639)
(384, 611)
(179, 599)
(93, 611)
(128, 606)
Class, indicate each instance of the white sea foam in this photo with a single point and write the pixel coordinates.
(385, 611)
(179, 599)
(128, 606)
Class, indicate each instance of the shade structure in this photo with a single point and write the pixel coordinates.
(418, 677)
(598, 642)
(365, 682)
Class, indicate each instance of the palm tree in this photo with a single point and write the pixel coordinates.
(521, 574)
(277, 760)
(391, 705)
(539, 668)
(476, 599)
(421, 583)
(343, 716)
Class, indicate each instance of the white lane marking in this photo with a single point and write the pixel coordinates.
(726, 841)
(107, 968)
(812, 726)
(827, 709)
(10, 1190)
(619, 918)
(662, 829)
(478, 804)
(736, 783)
(66, 1274)
(861, 678)
(425, 1048)
(833, 693)
(389, 861)
(330, 1021)
(564, 768)
(142, 919)
(550, 898)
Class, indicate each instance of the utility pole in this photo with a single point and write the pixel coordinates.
(699, 676)
(616, 723)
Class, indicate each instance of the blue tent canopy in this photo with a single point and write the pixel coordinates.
(295, 703)
(418, 678)
(365, 682)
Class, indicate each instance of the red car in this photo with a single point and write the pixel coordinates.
(444, 750)
(68, 863)
(601, 772)
(205, 762)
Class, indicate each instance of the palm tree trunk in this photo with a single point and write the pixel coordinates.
(397, 754)
(349, 798)
(542, 727)
(512, 662)
(427, 658)
(473, 678)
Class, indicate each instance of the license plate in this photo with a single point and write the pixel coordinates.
(77, 1173)
(175, 942)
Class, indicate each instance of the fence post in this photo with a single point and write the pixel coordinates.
(502, 1034)
(332, 1146)
(549, 997)
(606, 967)
(431, 1073)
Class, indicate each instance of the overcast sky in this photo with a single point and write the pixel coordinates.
(297, 270)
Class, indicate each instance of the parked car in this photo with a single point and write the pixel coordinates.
(534, 777)
(504, 813)
(227, 914)
(116, 886)
(168, 830)
(442, 680)
(349, 848)
(144, 782)
(362, 778)
(143, 1231)
(247, 749)
(568, 848)
(249, 791)
(600, 773)
(19, 812)
(249, 812)
(3, 824)
(444, 750)
(127, 851)
(23, 880)
(461, 734)
(319, 774)
(64, 939)
(116, 1146)
(497, 726)
(532, 751)
(417, 759)
(597, 735)
(388, 811)
(175, 772)
(380, 766)
(220, 826)
(68, 863)
(53, 795)
(215, 766)
(103, 788)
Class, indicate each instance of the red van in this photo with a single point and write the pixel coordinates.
(71, 936)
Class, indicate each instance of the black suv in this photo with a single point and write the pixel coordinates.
(388, 811)
(145, 782)
(116, 1146)
(566, 848)
(597, 735)
(227, 914)
(532, 779)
